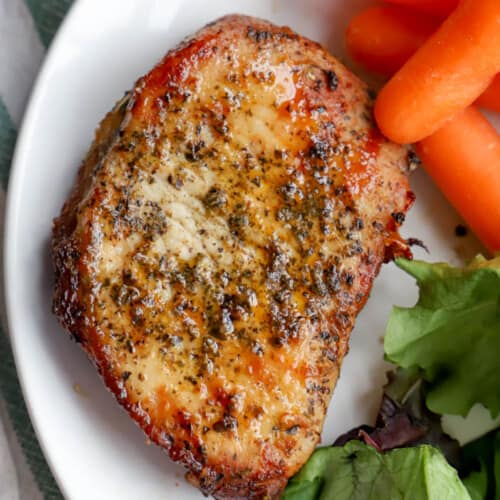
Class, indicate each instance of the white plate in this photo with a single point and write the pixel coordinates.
(93, 448)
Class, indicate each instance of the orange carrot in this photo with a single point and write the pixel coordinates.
(382, 39)
(490, 99)
(438, 8)
(449, 72)
(463, 158)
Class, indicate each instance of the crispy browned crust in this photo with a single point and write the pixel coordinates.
(314, 193)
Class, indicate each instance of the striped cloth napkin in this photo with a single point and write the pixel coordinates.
(26, 29)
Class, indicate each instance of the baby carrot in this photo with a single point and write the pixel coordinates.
(490, 98)
(382, 38)
(438, 8)
(463, 158)
(449, 72)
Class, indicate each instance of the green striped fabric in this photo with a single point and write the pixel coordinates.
(7, 141)
(11, 392)
(47, 15)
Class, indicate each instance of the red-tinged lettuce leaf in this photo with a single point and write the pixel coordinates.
(452, 334)
(404, 420)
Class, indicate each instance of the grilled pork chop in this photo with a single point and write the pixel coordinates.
(224, 232)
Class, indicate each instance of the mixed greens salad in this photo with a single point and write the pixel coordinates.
(447, 355)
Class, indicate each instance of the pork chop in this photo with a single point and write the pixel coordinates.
(223, 234)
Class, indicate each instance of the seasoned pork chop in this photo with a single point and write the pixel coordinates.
(223, 235)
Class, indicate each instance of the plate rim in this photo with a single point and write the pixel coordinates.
(12, 201)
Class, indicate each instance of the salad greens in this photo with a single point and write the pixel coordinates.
(357, 470)
(481, 467)
(447, 348)
(404, 420)
(452, 334)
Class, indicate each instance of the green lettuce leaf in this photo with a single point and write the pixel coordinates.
(452, 334)
(496, 465)
(481, 467)
(477, 484)
(358, 471)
